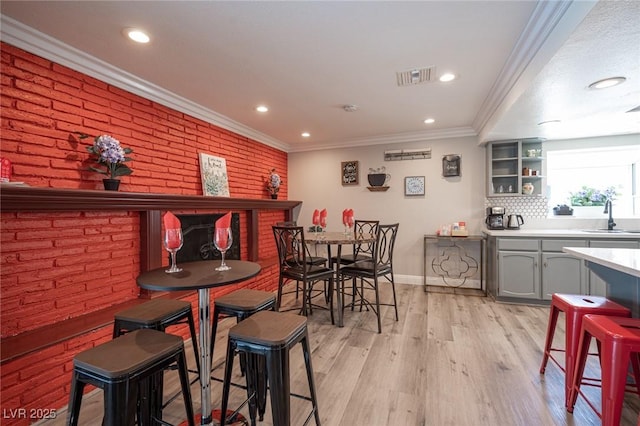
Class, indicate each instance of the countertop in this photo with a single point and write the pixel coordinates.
(560, 233)
(619, 259)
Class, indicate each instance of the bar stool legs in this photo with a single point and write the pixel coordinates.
(575, 307)
(270, 335)
(620, 344)
(242, 304)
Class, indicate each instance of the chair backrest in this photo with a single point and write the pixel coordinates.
(362, 227)
(292, 250)
(383, 252)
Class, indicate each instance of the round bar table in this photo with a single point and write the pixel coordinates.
(338, 238)
(200, 276)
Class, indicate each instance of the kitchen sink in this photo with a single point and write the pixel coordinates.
(612, 231)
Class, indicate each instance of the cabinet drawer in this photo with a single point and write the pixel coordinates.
(556, 245)
(517, 244)
(614, 243)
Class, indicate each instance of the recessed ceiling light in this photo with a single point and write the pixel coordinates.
(447, 77)
(429, 121)
(306, 134)
(262, 108)
(607, 82)
(136, 35)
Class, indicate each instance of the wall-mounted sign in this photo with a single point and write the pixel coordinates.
(451, 165)
(350, 173)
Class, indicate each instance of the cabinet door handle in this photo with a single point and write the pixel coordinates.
(545, 264)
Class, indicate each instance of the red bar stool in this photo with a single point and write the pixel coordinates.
(575, 307)
(619, 342)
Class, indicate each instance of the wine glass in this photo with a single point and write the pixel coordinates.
(316, 224)
(350, 226)
(222, 239)
(172, 243)
(323, 225)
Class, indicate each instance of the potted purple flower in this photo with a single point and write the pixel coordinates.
(108, 153)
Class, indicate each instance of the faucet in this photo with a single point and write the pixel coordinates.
(608, 208)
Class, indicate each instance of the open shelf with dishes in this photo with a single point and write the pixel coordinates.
(514, 168)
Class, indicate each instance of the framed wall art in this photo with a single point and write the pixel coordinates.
(213, 172)
(350, 173)
(451, 165)
(414, 185)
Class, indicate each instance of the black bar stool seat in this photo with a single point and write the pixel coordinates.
(119, 366)
(270, 335)
(157, 314)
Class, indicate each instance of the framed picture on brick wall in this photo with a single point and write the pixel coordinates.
(213, 172)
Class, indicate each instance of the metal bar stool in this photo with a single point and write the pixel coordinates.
(158, 314)
(619, 340)
(575, 307)
(242, 304)
(270, 335)
(119, 366)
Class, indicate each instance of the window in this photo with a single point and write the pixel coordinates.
(569, 170)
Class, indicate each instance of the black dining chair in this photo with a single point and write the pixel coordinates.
(369, 272)
(293, 256)
(361, 251)
(314, 260)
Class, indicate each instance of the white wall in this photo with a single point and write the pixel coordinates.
(314, 178)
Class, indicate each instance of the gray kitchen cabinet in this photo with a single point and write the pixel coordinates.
(518, 268)
(561, 272)
(534, 269)
(519, 274)
(597, 286)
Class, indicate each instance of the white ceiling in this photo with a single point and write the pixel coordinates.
(519, 63)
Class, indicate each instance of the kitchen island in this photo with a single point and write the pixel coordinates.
(619, 268)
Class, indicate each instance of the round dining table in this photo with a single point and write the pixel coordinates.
(339, 239)
(200, 276)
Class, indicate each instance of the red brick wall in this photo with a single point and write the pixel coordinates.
(61, 265)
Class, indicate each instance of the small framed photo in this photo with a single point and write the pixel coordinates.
(414, 185)
(349, 173)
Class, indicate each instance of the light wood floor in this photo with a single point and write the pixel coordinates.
(450, 360)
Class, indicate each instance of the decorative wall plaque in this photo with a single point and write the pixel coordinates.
(350, 173)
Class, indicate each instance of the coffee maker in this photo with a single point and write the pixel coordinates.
(495, 218)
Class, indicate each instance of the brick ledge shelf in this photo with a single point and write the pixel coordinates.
(150, 206)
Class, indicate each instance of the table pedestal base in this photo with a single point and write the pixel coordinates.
(217, 414)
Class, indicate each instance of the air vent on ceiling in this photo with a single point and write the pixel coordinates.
(415, 76)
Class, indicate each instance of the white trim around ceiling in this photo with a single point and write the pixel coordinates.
(457, 132)
(33, 41)
(550, 25)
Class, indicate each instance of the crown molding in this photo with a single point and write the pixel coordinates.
(549, 26)
(33, 41)
(456, 132)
